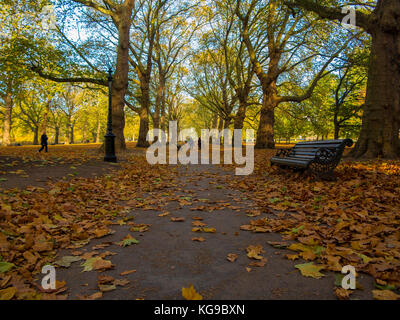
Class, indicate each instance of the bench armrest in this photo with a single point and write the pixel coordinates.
(281, 153)
(326, 155)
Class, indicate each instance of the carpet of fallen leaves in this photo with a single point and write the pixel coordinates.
(36, 223)
(352, 221)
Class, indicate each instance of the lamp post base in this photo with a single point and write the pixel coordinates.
(110, 148)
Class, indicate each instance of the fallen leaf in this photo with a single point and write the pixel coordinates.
(128, 241)
(191, 294)
(232, 257)
(343, 294)
(67, 261)
(125, 273)
(310, 270)
(177, 219)
(253, 252)
(8, 294)
(385, 295)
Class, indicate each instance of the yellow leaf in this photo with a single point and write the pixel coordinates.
(310, 270)
(191, 294)
(7, 294)
(385, 295)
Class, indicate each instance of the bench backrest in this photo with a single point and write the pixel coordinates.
(308, 150)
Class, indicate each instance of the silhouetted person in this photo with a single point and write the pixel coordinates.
(43, 142)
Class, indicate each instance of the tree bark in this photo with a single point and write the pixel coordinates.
(143, 129)
(379, 135)
(57, 135)
(120, 83)
(8, 104)
(265, 133)
(98, 131)
(36, 136)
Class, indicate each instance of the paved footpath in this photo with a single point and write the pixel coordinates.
(167, 259)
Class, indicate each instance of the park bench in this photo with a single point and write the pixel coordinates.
(319, 158)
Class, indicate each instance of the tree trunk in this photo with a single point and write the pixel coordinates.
(160, 100)
(98, 131)
(214, 124)
(36, 136)
(336, 125)
(120, 83)
(8, 104)
(57, 135)
(240, 115)
(143, 129)
(43, 126)
(71, 137)
(379, 135)
(265, 133)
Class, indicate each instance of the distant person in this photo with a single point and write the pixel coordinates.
(43, 142)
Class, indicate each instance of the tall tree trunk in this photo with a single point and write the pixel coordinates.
(143, 129)
(336, 125)
(265, 133)
(8, 104)
(98, 131)
(381, 119)
(160, 100)
(43, 125)
(240, 115)
(220, 124)
(71, 137)
(120, 83)
(214, 124)
(36, 136)
(57, 135)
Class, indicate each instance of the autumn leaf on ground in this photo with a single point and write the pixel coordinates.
(128, 241)
(191, 294)
(292, 256)
(103, 279)
(232, 257)
(310, 270)
(177, 219)
(201, 239)
(107, 287)
(96, 263)
(253, 252)
(198, 224)
(163, 214)
(259, 264)
(125, 273)
(94, 296)
(385, 295)
(121, 282)
(206, 230)
(343, 294)
(5, 266)
(8, 294)
(67, 261)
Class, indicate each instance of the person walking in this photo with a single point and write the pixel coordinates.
(43, 142)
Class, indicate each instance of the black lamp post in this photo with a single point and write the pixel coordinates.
(110, 137)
